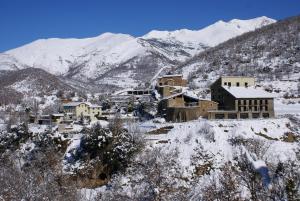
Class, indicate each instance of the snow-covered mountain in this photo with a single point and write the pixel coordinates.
(120, 59)
(270, 54)
(213, 34)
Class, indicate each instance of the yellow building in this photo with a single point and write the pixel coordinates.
(236, 81)
(82, 110)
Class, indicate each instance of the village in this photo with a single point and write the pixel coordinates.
(232, 97)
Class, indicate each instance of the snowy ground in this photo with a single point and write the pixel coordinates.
(188, 137)
(287, 106)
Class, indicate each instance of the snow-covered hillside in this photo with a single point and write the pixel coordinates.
(111, 57)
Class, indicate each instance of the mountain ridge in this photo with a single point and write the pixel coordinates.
(90, 59)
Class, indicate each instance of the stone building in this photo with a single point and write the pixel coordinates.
(177, 106)
(170, 84)
(239, 98)
(172, 80)
(182, 107)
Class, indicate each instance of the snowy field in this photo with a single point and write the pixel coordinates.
(214, 138)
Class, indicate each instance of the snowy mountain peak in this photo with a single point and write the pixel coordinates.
(93, 58)
(213, 34)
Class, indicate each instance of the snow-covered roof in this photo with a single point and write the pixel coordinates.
(248, 92)
(58, 115)
(174, 75)
(172, 96)
(74, 104)
(95, 106)
(237, 76)
(186, 95)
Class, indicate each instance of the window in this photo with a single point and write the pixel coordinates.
(240, 108)
(232, 116)
(239, 102)
(255, 108)
(266, 101)
(225, 83)
(255, 102)
(246, 84)
(265, 115)
(244, 116)
(245, 108)
(255, 115)
(229, 84)
(250, 102)
(245, 102)
(219, 116)
(266, 108)
(237, 84)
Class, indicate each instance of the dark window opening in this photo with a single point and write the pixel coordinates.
(219, 116)
(232, 116)
(244, 116)
(265, 115)
(237, 84)
(246, 84)
(229, 84)
(102, 176)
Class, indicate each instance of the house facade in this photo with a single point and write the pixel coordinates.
(239, 98)
(172, 80)
(170, 84)
(181, 107)
(82, 110)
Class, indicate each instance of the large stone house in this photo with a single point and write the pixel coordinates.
(80, 110)
(170, 84)
(238, 97)
(182, 107)
(177, 106)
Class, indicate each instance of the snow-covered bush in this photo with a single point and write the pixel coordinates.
(109, 148)
(207, 132)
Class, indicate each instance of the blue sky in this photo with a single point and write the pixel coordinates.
(23, 21)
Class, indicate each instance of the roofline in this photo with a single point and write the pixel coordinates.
(173, 75)
(233, 76)
(270, 97)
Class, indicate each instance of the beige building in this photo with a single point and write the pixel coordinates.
(181, 107)
(171, 80)
(239, 98)
(82, 109)
(170, 84)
